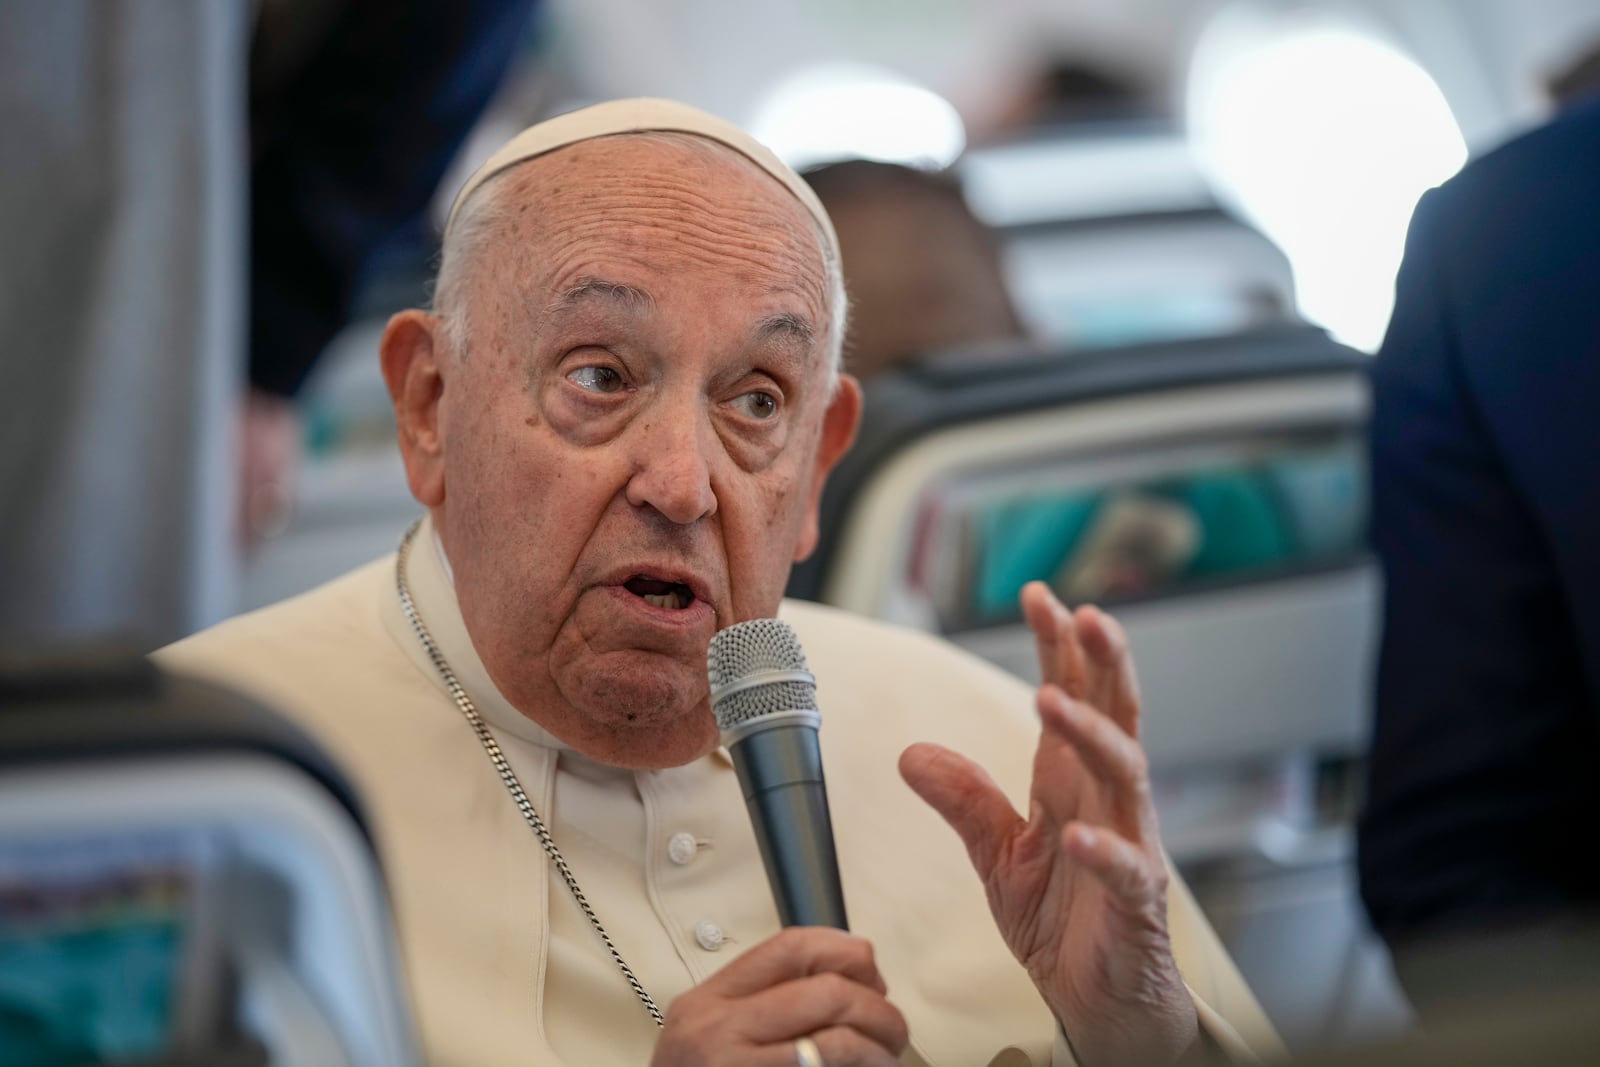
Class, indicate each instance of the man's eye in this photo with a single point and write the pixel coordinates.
(757, 405)
(596, 379)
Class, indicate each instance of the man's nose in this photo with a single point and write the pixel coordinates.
(672, 469)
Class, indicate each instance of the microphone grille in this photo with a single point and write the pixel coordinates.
(743, 653)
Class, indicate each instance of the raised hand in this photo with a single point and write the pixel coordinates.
(806, 981)
(1078, 887)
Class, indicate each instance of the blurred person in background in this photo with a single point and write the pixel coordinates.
(1474, 857)
(922, 272)
(142, 455)
(1577, 80)
(619, 419)
(1068, 91)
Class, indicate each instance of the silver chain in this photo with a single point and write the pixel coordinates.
(503, 768)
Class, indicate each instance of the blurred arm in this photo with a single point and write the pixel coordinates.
(348, 145)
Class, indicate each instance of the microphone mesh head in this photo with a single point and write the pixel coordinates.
(752, 648)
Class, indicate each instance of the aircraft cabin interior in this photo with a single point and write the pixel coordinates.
(1197, 211)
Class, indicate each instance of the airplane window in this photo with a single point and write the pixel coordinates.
(1324, 134)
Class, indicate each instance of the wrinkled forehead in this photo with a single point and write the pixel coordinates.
(643, 115)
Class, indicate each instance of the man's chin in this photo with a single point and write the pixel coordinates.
(640, 710)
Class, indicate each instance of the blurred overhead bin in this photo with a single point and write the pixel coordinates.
(1111, 234)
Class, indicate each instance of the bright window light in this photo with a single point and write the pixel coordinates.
(1325, 136)
(828, 113)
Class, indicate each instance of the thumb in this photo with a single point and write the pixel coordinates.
(965, 797)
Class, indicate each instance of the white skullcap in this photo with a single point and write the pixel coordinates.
(635, 116)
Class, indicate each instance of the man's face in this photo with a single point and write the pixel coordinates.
(632, 448)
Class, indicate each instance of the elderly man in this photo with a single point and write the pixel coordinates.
(619, 418)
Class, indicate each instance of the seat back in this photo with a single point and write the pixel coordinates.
(184, 878)
(1211, 492)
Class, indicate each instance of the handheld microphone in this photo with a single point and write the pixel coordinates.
(765, 701)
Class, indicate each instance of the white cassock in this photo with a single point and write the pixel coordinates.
(502, 965)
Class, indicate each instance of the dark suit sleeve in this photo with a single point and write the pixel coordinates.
(348, 153)
(1482, 744)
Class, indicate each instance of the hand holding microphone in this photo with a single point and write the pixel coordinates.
(807, 983)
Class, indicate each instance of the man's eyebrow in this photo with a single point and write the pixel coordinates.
(787, 325)
(784, 326)
(590, 290)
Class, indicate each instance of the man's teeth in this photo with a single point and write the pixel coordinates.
(672, 600)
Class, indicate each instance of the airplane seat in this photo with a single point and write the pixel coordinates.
(184, 879)
(1211, 491)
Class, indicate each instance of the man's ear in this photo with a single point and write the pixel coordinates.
(412, 353)
(838, 434)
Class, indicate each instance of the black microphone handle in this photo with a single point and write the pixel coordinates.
(780, 770)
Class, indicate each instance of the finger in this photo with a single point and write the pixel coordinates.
(819, 1002)
(798, 952)
(965, 796)
(1105, 644)
(1061, 661)
(1135, 880)
(1107, 753)
(840, 1047)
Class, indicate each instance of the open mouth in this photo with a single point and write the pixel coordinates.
(672, 595)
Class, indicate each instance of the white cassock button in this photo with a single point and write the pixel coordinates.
(708, 934)
(681, 848)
